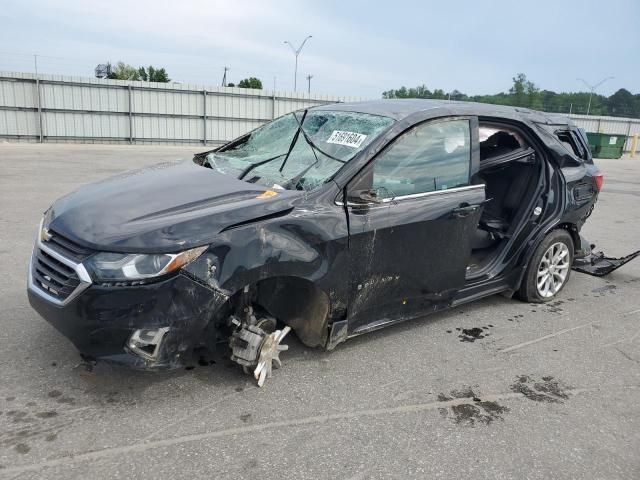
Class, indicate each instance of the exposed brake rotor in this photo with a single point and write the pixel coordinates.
(257, 346)
(270, 355)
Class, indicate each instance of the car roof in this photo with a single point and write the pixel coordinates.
(399, 109)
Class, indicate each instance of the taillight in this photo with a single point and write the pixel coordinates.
(599, 178)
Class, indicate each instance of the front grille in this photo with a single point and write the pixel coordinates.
(52, 276)
(57, 272)
(67, 248)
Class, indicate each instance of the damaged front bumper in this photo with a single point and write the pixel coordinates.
(157, 325)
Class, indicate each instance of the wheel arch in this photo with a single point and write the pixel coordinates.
(295, 301)
(567, 226)
(573, 231)
(525, 287)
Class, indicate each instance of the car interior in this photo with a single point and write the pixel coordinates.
(509, 170)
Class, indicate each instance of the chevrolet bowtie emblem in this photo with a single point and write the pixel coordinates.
(45, 236)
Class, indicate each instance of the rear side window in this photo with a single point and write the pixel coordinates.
(498, 140)
(573, 143)
(429, 157)
(581, 135)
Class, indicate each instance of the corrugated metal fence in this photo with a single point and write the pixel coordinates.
(617, 125)
(56, 108)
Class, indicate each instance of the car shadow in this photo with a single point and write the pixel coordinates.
(105, 383)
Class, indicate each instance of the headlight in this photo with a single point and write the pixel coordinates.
(108, 266)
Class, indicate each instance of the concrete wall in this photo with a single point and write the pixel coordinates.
(53, 108)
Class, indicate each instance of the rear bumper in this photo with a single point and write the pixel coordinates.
(101, 319)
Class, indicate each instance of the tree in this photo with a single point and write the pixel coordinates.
(525, 93)
(123, 71)
(421, 91)
(251, 82)
(456, 94)
(153, 75)
(517, 91)
(533, 95)
(622, 103)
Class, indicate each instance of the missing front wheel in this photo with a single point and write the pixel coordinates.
(256, 345)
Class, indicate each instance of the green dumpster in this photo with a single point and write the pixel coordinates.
(606, 145)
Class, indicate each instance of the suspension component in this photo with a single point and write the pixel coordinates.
(256, 345)
(270, 355)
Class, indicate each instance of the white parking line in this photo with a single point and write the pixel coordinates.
(313, 420)
(531, 342)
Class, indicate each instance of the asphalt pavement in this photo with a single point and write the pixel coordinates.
(540, 391)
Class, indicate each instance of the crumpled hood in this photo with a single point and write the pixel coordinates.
(163, 208)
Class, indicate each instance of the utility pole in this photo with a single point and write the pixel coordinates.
(309, 77)
(296, 52)
(592, 88)
(35, 62)
(224, 77)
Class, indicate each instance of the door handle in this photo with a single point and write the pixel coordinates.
(464, 211)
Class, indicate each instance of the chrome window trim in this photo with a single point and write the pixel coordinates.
(79, 268)
(414, 196)
(434, 192)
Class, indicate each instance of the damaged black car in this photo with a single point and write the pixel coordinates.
(331, 221)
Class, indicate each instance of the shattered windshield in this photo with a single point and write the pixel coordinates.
(299, 151)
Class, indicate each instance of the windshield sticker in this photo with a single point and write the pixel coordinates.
(350, 139)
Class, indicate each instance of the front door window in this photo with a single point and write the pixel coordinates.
(429, 157)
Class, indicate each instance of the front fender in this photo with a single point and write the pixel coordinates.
(311, 243)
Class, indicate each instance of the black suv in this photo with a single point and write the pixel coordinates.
(331, 221)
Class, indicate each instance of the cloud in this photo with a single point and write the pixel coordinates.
(358, 48)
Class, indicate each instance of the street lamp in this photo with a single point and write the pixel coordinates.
(296, 52)
(592, 89)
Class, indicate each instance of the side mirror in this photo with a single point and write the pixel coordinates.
(364, 196)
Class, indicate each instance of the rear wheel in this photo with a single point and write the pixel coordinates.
(549, 268)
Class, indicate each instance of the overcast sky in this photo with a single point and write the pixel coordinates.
(358, 48)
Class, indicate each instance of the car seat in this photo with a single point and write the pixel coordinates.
(506, 187)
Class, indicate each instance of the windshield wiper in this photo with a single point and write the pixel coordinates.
(314, 149)
(286, 155)
(312, 144)
(295, 138)
(257, 164)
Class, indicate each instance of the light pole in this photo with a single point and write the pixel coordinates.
(296, 52)
(592, 88)
(309, 77)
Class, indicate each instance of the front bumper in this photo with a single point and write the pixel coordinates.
(101, 319)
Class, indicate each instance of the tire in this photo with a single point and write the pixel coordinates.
(549, 268)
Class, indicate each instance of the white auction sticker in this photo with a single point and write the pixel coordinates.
(350, 139)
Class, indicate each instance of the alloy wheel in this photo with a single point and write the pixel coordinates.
(553, 270)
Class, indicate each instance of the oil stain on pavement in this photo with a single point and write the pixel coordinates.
(604, 290)
(547, 390)
(26, 425)
(475, 411)
(472, 334)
